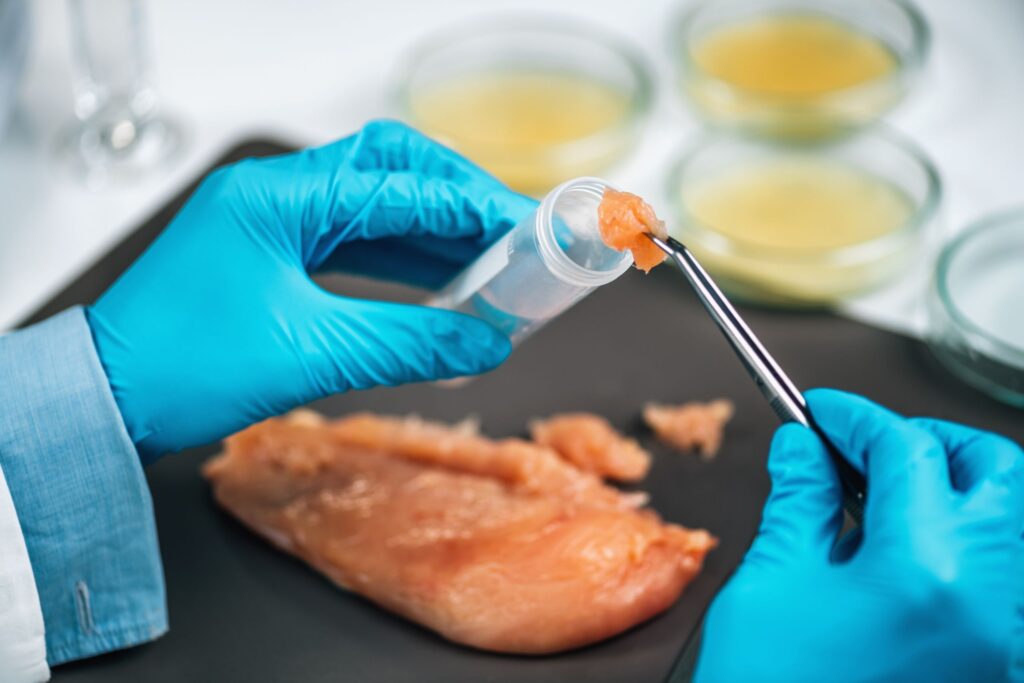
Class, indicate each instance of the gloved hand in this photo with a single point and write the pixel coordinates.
(932, 593)
(218, 325)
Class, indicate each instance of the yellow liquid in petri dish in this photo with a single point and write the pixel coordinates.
(532, 129)
(781, 67)
(798, 230)
(794, 55)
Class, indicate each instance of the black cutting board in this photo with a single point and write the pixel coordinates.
(242, 611)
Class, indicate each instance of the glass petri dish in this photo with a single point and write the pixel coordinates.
(975, 305)
(798, 68)
(804, 225)
(535, 100)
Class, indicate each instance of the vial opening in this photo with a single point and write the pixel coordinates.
(569, 239)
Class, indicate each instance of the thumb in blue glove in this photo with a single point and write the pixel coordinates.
(218, 325)
(933, 591)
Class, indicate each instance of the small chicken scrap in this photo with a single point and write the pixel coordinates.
(592, 444)
(497, 544)
(690, 425)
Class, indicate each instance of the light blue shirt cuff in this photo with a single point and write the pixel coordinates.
(79, 492)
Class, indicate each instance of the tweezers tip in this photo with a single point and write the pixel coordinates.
(664, 245)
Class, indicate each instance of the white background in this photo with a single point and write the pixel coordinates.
(313, 70)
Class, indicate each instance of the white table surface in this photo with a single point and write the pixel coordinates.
(315, 70)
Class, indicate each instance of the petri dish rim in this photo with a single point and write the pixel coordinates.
(955, 313)
(908, 67)
(924, 211)
(640, 101)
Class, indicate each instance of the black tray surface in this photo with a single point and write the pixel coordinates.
(242, 611)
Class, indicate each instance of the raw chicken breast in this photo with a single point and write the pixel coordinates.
(499, 545)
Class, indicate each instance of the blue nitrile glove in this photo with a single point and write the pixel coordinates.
(218, 325)
(932, 593)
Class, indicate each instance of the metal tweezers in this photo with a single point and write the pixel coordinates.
(784, 398)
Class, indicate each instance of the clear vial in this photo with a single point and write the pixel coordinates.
(553, 258)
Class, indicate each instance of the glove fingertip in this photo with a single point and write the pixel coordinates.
(850, 421)
(797, 453)
(792, 437)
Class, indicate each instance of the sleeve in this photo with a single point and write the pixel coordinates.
(79, 492)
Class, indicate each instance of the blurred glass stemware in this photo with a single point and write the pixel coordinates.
(119, 132)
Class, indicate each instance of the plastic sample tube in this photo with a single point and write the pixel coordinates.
(553, 258)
